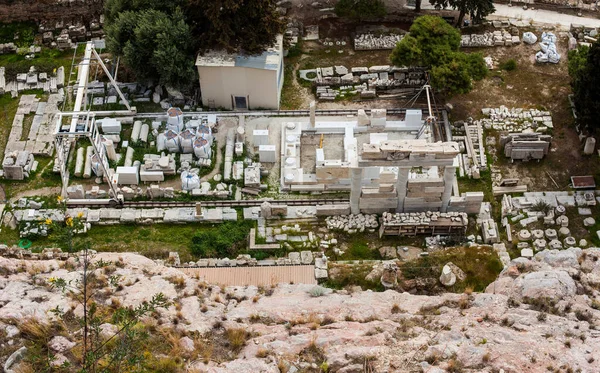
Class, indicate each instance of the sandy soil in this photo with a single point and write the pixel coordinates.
(532, 85)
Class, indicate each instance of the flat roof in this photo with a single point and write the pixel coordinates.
(257, 276)
(268, 60)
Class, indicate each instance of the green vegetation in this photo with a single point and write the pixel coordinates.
(477, 9)
(20, 33)
(346, 275)
(480, 264)
(225, 24)
(224, 240)
(154, 44)
(583, 67)
(159, 39)
(434, 43)
(360, 9)
(46, 62)
(509, 65)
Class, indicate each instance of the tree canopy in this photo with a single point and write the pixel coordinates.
(155, 45)
(360, 9)
(158, 39)
(434, 43)
(477, 9)
(245, 26)
(584, 64)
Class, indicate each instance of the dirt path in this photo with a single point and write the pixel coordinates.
(46, 191)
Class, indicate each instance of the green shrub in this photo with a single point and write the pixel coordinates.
(509, 65)
(360, 9)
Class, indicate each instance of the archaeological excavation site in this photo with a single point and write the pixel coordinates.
(352, 186)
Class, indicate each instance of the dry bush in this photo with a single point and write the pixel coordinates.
(237, 338)
(262, 353)
(455, 366)
(464, 302)
(396, 309)
(34, 330)
(115, 303)
(178, 281)
(24, 367)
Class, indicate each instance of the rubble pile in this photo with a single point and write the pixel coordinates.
(338, 81)
(489, 39)
(517, 119)
(352, 223)
(365, 42)
(416, 218)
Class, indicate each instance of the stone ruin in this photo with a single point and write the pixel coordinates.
(525, 146)
(18, 165)
(584, 35)
(366, 42)
(490, 39)
(49, 83)
(338, 81)
(516, 119)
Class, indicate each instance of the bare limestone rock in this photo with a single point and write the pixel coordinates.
(60, 344)
(447, 278)
(490, 333)
(187, 344)
(389, 277)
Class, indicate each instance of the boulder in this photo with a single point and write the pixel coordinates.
(60, 344)
(447, 278)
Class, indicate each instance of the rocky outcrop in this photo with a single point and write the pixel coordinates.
(505, 328)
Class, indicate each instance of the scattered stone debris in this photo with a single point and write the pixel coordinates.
(364, 42)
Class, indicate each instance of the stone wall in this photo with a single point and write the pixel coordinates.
(49, 10)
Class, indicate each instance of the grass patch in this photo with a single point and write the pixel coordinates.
(291, 98)
(8, 108)
(153, 241)
(359, 249)
(345, 275)
(480, 264)
(225, 239)
(508, 65)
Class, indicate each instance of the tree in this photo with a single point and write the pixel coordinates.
(418, 6)
(584, 64)
(242, 26)
(120, 351)
(154, 45)
(112, 8)
(477, 9)
(434, 43)
(431, 40)
(360, 9)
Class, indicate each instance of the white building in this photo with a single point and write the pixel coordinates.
(237, 82)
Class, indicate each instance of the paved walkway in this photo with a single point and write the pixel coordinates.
(504, 11)
(542, 16)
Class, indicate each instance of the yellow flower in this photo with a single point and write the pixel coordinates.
(48, 221)
(69, 221)
(52, 280)
(59, 199)
(80, 214)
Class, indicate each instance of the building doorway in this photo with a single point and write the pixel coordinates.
(240, 103)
